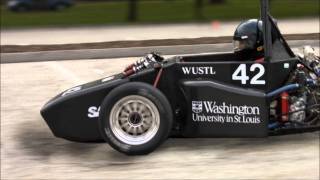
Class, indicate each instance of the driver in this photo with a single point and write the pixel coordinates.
(248, 41)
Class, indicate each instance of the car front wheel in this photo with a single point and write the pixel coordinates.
(135, 118)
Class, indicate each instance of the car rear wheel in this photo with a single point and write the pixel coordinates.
(135, 118)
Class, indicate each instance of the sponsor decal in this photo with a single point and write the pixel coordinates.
(240, 74)
(93, 112)
(211, 111)
(197, 106)
(72, 90)
(206, 70)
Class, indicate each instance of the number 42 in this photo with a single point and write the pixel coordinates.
(241, 74)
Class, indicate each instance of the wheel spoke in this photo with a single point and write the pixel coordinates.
(135, 131)
(142, 109)
(129, 129)
(124, 114)
(134, 106)
(125, 125)
(146, 114)
(128, 108)
(123, 119)
(140, 130)
(148, 121)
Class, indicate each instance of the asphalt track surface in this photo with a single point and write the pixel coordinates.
(128, 52)
(30, 151)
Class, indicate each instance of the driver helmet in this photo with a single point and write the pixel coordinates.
(248, 38)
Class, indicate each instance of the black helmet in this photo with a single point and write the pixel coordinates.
(248, 38)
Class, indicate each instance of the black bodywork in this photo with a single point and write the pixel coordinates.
(206, 100)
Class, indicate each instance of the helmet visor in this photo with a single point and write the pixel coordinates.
(239, 45)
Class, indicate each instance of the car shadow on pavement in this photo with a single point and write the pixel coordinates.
(39, 142)
(252, 143)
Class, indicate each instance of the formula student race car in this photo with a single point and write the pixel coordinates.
(204, 95)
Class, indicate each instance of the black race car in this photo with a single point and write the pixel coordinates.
(205, 95)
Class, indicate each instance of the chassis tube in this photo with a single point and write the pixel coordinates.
(283, 89)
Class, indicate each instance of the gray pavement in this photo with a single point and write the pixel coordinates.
(142, 32)
(128, 52)
(30, 151)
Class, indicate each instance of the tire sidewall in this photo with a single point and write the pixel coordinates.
(144, 90)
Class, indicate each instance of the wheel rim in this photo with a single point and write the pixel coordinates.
(134, 120)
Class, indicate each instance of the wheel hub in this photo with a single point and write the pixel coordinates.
(135, 118)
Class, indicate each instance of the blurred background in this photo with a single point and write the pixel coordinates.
(39, 13)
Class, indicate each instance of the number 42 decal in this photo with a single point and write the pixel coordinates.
(241, 74)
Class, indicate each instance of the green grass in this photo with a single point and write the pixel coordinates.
(100, 13)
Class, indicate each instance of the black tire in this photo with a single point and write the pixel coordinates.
(153, 95)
